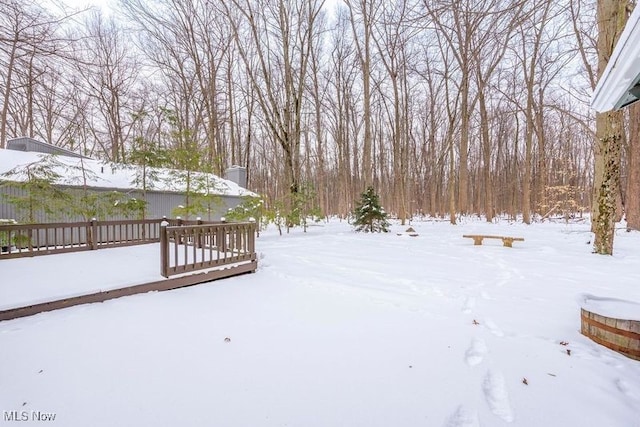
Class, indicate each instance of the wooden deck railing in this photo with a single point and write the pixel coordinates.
(199, 247)
(25, 240)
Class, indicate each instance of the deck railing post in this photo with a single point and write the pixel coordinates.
(221, 237)
(199, 237)
(94, 233)
(164, 249)
(164, 219)
(251, 238)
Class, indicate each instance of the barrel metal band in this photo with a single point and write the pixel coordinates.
(627, 351)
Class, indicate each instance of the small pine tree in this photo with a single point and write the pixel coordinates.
(369, 215)
(38, 196)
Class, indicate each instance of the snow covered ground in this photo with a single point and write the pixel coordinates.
(335, 329)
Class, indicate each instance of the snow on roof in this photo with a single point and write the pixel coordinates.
(614, 89)
(102, 174)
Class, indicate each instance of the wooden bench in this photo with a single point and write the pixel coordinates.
(506, 240)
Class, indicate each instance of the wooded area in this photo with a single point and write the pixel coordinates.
(444, 107)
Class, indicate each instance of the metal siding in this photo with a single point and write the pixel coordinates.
(231, 202)
(159, 204)
(6, 209)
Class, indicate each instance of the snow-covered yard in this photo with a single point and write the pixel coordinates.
(335, 329)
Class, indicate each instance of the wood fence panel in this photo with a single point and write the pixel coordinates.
(26, 240)
(198, 247)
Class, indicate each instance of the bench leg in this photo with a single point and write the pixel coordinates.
(477, 241)
(508, 242)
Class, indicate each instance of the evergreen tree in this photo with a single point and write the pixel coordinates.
(304, 206)
(369, 215)
(147, 157)
(252, 207)
(38, 197)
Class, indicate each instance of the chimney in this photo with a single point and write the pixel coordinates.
(237, 174)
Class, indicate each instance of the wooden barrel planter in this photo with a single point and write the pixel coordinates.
(606, 328)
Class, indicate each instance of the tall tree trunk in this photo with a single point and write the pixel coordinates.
(609, 148)
(486, 159)
(366, 10)
(526, 180)
(542, 181)
(612, 16)
(632, 201)
(463, 167)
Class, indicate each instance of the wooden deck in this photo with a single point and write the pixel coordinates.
(186, 255)
(160, 285)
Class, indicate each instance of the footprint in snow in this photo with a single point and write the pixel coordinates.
(437, 291)
(463, 417)
(475, 353)
(469, 304)
(485, 295)
(504, 279)
(493, 328)
(624, 387)
(505, 273)
(497, 396)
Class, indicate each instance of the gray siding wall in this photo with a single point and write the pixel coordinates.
(159, 204)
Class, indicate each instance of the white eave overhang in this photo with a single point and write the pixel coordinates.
(619, 85)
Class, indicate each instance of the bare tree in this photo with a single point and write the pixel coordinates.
(319, 95)
(392, 38)
(363, 14)
(279, 35)
(27, 32)
(186, 43)
(490, 51)
(341, 113)
(110, 75)
(531, 45)
(456, 23)
(445, 106)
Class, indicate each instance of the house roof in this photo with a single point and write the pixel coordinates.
(101, 174)
(24, 143)
(619, 85)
